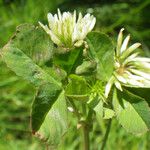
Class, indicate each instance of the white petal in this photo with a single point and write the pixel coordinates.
(137, 81)
(142, 59)
(125, 44)
(127, 52)
(141, 73)
(79, 18)
(119, 42)
(120, 78)
(143, 66)
(59, 14)
(65, 15)
(45, 27)
(56, 18)
(50, 19)
(74, 17)
(75, 34)
(92, 24)
(130, 58)
(66, 29)
(55, 39)
(87, 16)
(134, 77)
(108, 86)
(118, 85)
(146, 83)
(134, 83)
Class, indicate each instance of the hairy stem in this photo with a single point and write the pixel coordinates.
(106, 135)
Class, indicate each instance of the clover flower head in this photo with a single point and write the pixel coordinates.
(66, 29)
(131, 69)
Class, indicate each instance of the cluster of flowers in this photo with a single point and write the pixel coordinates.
(67, 30)
(130, 69)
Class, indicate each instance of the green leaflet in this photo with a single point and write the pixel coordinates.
(69, 60)
(77, 88)
(142, 92)
(108, 113)
(86, 68)
(18, 59)
(99, 110)
(55, 124)
(34, 42)
(94, 101)
(46, 96)
(103, 112)
(101, 49)
(24, 67)
(56, 72)
(132, 111)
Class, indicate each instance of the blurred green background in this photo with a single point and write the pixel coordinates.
(16, 95)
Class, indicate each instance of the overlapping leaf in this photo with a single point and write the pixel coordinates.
(34, 42)
(26, 68)
(55, 124)
(77, 88)
(101, 49)
(132, 111)
(69, 60)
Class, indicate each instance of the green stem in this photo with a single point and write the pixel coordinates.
(106, 135)
(84, 124)
(86, 143)
(86, 128)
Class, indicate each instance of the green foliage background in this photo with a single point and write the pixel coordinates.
(16, 95)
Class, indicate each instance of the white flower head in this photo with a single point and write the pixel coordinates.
(67, 29)
(130, 69)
